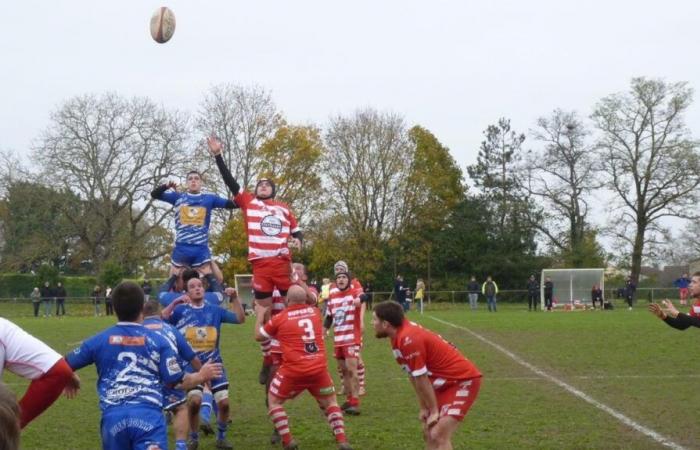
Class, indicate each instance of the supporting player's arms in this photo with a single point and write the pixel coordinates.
(230, 182)
(208, 371)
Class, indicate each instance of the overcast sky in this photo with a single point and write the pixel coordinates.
(452, 66)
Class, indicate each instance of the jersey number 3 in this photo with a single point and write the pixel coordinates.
(308, 327)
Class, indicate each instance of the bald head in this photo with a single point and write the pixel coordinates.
(296, 295)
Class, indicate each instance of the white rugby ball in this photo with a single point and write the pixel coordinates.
(162, 25)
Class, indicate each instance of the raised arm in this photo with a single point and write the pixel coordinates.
(215, 148)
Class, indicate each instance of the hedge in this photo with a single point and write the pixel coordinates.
(19, 285)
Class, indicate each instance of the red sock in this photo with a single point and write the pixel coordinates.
(353, 401)
(43, 391)
(335, 420)
(361, 375)
(281, 422)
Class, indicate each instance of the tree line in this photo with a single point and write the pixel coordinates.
(368, 187)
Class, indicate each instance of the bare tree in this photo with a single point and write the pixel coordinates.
(112, 152)
(649, 159)
(242, 118)
(367, 164)
(562, 174)
(11, 170)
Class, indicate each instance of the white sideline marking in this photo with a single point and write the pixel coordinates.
(661, 439)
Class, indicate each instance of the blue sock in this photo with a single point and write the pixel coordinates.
(194, 436)
(205, 410)
(221, 430)
(180, 445)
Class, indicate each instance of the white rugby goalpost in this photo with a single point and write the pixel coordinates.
(572, 286)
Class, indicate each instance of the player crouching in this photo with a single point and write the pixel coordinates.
(299, 332)
(446, 383)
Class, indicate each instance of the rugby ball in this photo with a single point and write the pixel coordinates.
(162, 25)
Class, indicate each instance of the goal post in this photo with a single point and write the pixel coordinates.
(572, 286)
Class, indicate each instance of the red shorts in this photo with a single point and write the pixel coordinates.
(347, 351)
(683, 293)
(276, 358)
(455, 399)
(271, 273)
(287, 384)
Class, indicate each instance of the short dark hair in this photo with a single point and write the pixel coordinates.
(188, 274)
(150, 308)
(127, 299)
(9, 419)
(193, 171)
(696, 274)
(390, 311)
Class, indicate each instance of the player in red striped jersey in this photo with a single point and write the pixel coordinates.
(344, 310)
(299, 332)
(446, 383)
(358, 290)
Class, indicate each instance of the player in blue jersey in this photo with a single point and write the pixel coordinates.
(173, 399)
(192, 217)
(134, 364)
(200, 323)
(174, 287)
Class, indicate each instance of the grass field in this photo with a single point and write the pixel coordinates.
(626, 360)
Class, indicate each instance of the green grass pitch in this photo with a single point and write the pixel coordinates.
(627, 360)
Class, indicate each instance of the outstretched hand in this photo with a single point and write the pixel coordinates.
(669, 309)
(72, 387)
(656, 310)
(172, 185)
(215, 146)
(211, 370)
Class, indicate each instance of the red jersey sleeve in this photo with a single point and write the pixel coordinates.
(412, 348)
(269, 330)
(243, 198)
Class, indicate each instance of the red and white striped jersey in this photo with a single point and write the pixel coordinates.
(695, 309)
(269, 224)
(278, 303)
(346, 316)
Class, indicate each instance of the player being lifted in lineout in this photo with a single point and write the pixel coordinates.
(271, 227)
(192, 217)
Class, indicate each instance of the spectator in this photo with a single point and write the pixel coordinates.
(46, 296)
(400, 292)
(325, 292)
(548, 293)
(420, 291)
(108, 301)
(533, 293)
(682, 284)
(96, 294)
(9, 418)
(473, 290)
(60, 300)
(369, 290)
(146, 287)
(597, 296)
(36, 300)
(490, 289)
(630, 289)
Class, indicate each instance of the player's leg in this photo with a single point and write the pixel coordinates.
(205, 410)
(194, 404)
(279, 416)
(352, 386)
(323, 391)
(439, 436)
(275, 437)
(181, 426)
(219, 388)
(453, 403)
(361, 374)
(43, 391)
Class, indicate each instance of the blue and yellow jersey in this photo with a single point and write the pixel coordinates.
(201, 326)
(193, 215)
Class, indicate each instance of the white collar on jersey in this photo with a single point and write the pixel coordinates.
(133, 324)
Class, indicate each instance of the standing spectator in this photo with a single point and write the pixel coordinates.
(96, 294)
(60, 299)
(420, 292)
(473, 289)
(630, 289)
(108, 302)
(46, 295)
(682, 284)
(369, 290)
(36, 300)
(400, 292)
(597, 295)
(548, 293)
(533, 293)
(325, 292)
(490, 289)
(146, 287)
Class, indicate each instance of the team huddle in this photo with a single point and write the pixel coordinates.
(164, 353)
